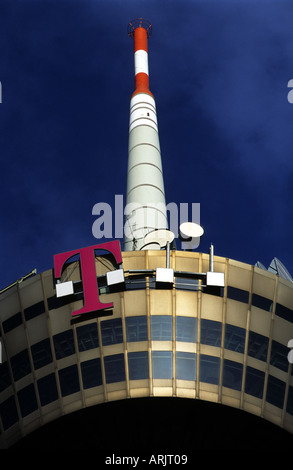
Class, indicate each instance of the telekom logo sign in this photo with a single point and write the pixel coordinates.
(88, 271)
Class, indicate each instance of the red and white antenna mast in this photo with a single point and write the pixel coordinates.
(145, 201)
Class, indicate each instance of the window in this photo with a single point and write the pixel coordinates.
(91, 373)
(47, 389)
(275, 391)
(254, 382)
(162, 364)
(27, 400)
(279, 354)
(185, 366)
(234, 338)
(69, 382)
(237, 294)
(114, 368)
(284, 312)
(112, 331)
(290, 401)
(4, 376)
(209, 369)
(184, 283)
(262, 302)
(20, 364)
(64, 344)
(8, 412)
(161, 328)
(186, 329)
(211, 332)
(87, 337)
(257, 346)
(12, 322)
(232, 374)
(42, 354)
(136, 328)
(138, 364)
(34, 310)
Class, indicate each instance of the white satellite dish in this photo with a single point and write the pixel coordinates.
(190, 230)
(161, 236)
(151, 246)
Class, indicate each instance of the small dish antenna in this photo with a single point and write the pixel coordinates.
(162, 236)
(151, 246)
(190, 234)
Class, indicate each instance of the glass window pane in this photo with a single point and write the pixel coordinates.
(27, 400)
(290, 401)
(12, 322)
(112, 331)
(87, 337)
(237, 294)
(211, 332)
(161, 328)
(138, 364)
(186, 329)
(64, 344)
(275, 391)
(69, 382)
(4, 376)
(232, 374)
(279, 354)
(114, 368)
(162, 364)
(234, 338)
(8, 412)
(34, 310)
(20, 364)
(257, 346)
(185, 365)
(47, 389)
(91, 373)
(262, 302)
(284, 312)
(209, 369)
(254, 382)
(42, 354)
(136, 328)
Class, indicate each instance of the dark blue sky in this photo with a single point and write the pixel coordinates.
(219, 72)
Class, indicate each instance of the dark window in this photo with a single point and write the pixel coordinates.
(275, 391)
(27, 400)
(20, 364)
(284, 312)
(8, 412)
(138, 363)
(87, 337)
(209, 369)
(210, 332)
(232, 374)
(112, 331)
(161, 328)
(91, 373)
(186, 283)
(279, 354)
(185, 365)
(68, 378)
(257, 346)
(136, 328)
(64, 344)
(162, 364)
(34, 310)
(135, 284)
(237, 294)
(262, 302)
(12, 322)
(4, 376)
(186, 329)
(47, 389)
(290, 401)
(42, 354)
(114, 368)
(234, 338)
(254, 382)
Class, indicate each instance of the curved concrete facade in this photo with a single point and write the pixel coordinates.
(223, 345)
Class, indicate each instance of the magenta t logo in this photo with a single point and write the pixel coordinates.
(88, 272)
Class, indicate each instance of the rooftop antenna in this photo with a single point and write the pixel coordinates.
(145, 199)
